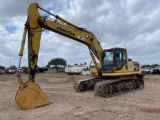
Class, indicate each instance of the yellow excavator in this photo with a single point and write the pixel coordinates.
(113, 74)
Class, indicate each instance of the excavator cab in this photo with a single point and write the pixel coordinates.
(114, 59)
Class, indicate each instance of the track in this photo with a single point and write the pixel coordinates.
(85, 84)
(109, 88)
(115, 87)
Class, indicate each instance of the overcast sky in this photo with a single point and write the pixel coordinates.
(133, 24)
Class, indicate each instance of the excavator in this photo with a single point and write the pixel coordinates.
(113, 72)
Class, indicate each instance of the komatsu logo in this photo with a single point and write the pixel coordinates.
(65, 31)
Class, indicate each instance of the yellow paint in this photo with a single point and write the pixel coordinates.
(31, 96)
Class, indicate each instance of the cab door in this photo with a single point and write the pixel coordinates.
(120, 58)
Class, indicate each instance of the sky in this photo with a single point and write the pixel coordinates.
(133, 24)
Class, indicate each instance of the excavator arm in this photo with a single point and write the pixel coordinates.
(35, 25)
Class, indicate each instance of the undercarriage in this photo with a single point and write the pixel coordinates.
(109, 87)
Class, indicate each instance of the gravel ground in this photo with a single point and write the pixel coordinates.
(70, 105)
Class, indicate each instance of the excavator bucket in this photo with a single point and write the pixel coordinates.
(31, 96)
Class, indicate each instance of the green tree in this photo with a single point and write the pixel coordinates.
(57, 62)
(2, 67)
(154, 65)
(13, 67)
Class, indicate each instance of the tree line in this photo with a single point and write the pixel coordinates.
(152, 66)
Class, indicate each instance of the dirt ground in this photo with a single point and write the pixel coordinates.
(70, 105)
